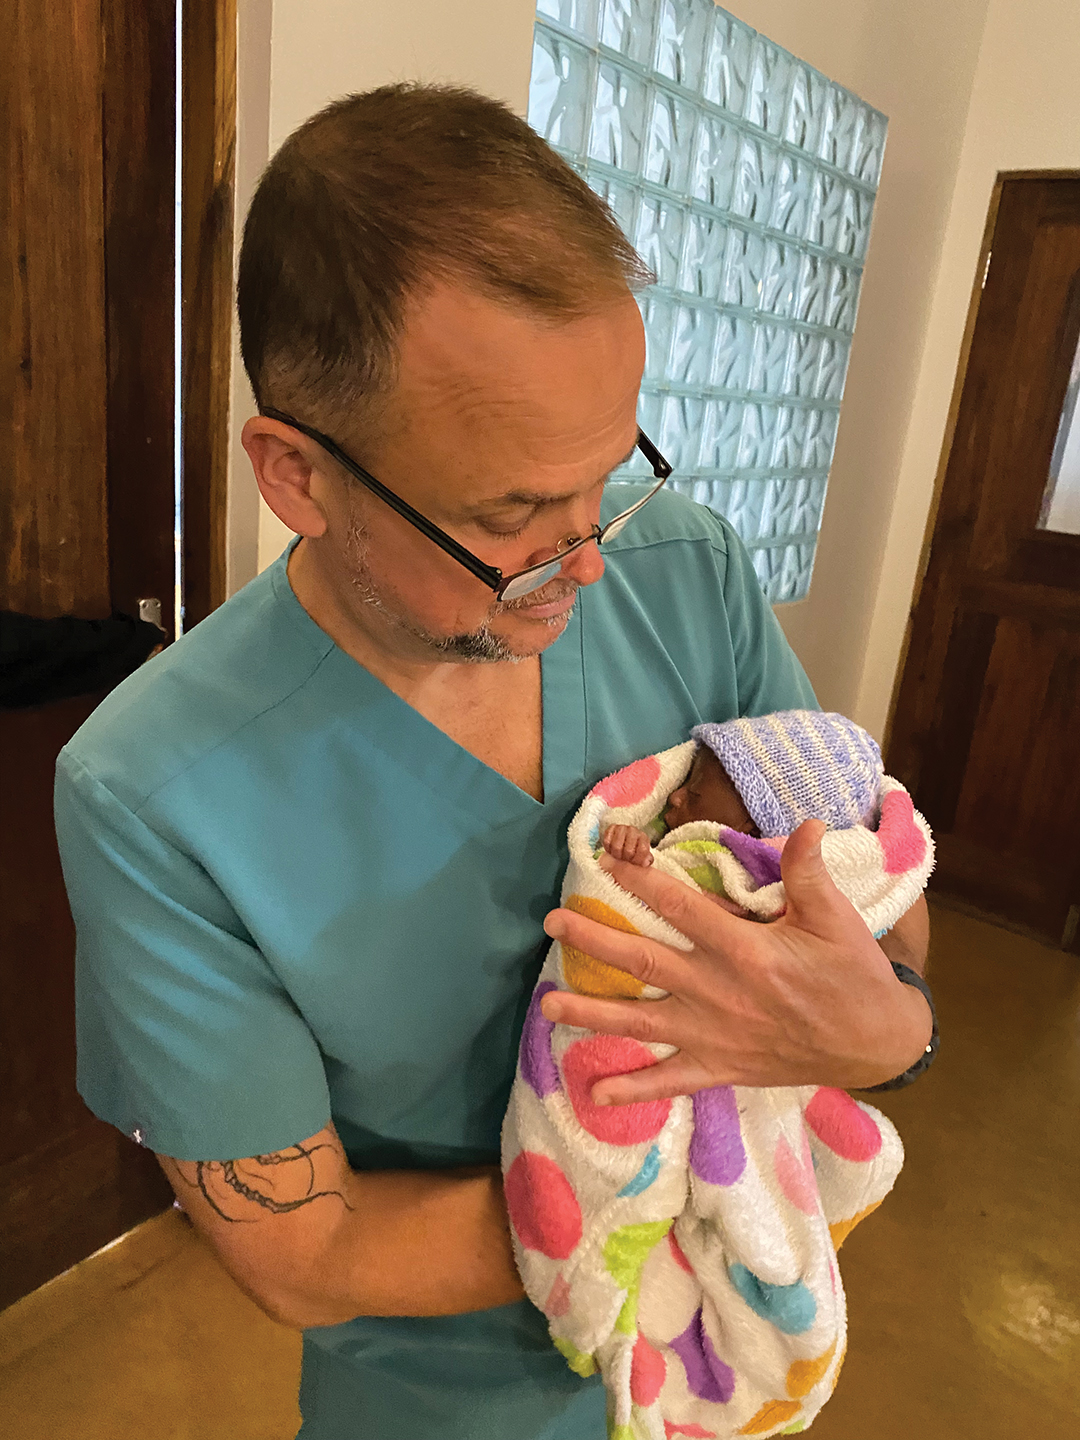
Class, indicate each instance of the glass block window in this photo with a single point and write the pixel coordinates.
(746, 179)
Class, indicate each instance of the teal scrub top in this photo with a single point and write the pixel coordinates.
(297, 900)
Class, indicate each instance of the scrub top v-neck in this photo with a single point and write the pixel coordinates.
(298, 900)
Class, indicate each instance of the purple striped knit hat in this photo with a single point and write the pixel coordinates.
(797, 765)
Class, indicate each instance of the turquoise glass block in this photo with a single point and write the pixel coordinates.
(746, 180)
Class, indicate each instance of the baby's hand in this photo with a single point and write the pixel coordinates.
(623, 842)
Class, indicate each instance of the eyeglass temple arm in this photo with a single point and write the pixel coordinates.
(661, 468)
(490, 574)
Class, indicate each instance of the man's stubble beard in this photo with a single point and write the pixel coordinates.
(480, 646)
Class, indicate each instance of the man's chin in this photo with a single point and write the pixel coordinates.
(528, 635)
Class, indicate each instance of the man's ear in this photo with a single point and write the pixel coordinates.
(284, 475)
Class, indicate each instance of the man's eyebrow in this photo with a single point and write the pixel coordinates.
(536, 499)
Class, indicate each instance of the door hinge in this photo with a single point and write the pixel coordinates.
(150, 609)
(986, 269)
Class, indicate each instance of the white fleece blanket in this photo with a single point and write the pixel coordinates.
(686, 1248)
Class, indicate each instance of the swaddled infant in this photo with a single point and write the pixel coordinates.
(686, 1248)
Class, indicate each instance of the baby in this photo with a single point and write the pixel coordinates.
(707, 793)
(686, 1247)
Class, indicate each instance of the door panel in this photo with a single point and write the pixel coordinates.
(68, 1183)
(987, 718)
(86, 508)
(52, 501)
(138, 104)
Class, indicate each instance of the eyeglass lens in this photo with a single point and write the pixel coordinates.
(523, 585)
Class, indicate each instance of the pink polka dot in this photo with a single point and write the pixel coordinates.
(842, 1125)
(902, 842)
(647, 1372)
(796, 1177)
(628, 786)
(586, 1062)
(543, 1207)
(558, 1301)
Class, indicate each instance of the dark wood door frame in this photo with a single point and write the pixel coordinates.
(138, 120)
(209, 170)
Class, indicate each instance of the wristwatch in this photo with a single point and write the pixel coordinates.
(908, 976)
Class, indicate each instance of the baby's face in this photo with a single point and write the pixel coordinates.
(707, 793)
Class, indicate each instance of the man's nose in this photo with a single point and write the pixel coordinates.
(585, 565)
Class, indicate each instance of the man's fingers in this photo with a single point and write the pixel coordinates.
(684, 909)
(649, 961)
(649, 1021)
(677, 1075)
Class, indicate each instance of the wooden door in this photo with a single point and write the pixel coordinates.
(986, 731)
(87, 516)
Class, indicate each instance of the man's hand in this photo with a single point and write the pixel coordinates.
(314, 1242)
(808, 1000)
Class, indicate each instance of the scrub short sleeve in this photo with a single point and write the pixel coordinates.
(186, 1039)
(769, 675)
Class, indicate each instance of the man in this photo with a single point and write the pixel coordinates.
(310, 850)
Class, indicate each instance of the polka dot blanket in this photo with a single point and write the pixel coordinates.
(686, 1248)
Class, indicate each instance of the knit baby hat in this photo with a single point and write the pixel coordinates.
(796, 765)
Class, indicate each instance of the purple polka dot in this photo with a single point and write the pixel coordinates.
(538, 1067)
(716, 1150)
(706, 1374)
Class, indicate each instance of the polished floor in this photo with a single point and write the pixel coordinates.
(964, 1288)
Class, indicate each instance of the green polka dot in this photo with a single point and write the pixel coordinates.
(627, 1249)
(707, 878)
(581, 1364)
(625, 1253)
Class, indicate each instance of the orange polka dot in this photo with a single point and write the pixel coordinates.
(588, 975)
(843, 1228)
(773, 1412)
(803, 1375)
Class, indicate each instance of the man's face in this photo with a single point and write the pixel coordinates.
(502, 430)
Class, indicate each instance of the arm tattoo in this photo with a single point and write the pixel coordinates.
(278, 1183)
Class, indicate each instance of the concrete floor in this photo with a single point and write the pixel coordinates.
(964, 1288)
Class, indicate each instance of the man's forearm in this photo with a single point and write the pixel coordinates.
(908, 942)
(414, 1243)
(314, 1242)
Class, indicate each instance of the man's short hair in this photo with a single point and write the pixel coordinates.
(382, 193)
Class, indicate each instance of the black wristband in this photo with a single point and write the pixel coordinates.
(908, 976)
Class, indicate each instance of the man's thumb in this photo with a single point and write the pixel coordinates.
(806, 879)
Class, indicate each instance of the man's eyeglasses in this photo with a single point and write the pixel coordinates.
(506, 587)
